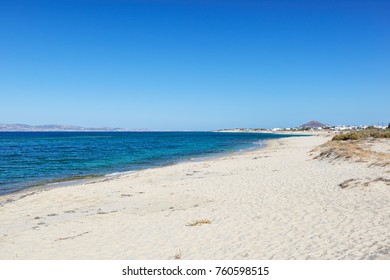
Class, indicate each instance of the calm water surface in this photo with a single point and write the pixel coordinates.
(35, 158)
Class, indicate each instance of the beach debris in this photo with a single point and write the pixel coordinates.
(177, 256)
(27, 194)
(106, 212)
(199, 222)
(346, 183)
(363, 182)
(382, 179)
(355, 182)
(71, 237)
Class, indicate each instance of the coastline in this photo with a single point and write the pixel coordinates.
(275, 202)
(36, 181)
(93, 178)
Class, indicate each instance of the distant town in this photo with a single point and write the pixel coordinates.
(310, 126)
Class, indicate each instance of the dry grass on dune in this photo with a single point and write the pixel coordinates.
(369, 150)
(365, 182)
(358, 146)
(357, 150)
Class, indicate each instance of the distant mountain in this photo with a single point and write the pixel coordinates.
(53, 127)
(314, 124)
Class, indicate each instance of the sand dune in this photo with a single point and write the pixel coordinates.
(272, 203)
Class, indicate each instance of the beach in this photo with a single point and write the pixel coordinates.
(283, 201)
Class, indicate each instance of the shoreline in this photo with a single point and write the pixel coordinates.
(276, 202)
(94, 177)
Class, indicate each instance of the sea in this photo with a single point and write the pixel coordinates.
(29, 159)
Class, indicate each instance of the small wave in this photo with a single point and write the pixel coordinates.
(259, 142)
(119, 173)
(60, 181)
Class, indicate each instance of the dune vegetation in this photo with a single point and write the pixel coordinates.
(369, 132)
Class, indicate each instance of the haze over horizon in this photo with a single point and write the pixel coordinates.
(198, 65)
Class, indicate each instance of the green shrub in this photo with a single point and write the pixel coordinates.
(348, 136)
(369, 132)
(370, 127)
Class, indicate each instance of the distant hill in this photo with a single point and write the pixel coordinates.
(53, 127)
(314, 124)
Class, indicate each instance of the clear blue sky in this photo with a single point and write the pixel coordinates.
(194, 65)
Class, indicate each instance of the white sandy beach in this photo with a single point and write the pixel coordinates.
(272, 203)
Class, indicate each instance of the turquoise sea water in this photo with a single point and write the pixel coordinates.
(35, 158)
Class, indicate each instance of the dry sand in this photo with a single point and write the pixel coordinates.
(272, 203)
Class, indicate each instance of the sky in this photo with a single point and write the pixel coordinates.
(194, 65)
